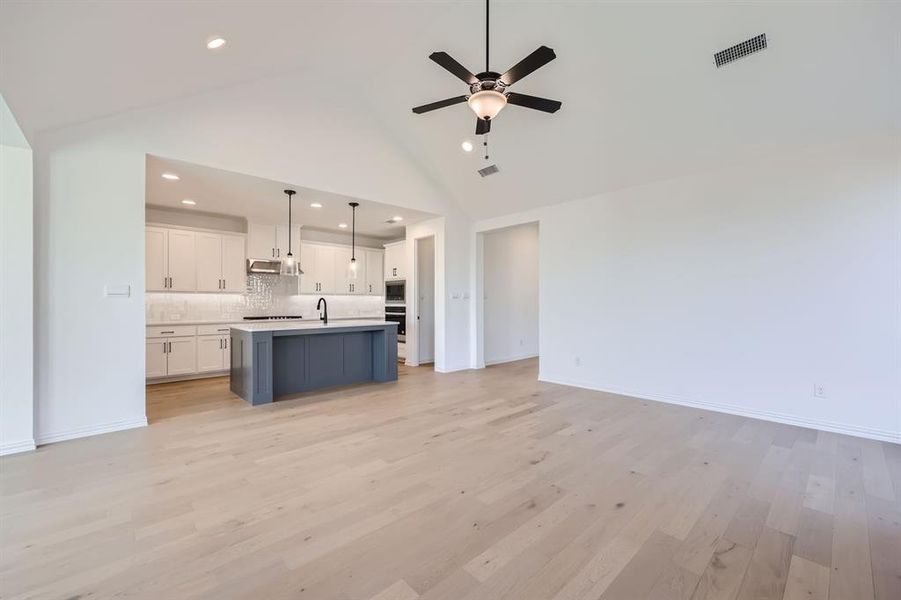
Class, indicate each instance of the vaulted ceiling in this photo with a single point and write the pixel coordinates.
(642, 100)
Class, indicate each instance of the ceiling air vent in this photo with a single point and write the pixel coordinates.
(489, 170)
(755, 44)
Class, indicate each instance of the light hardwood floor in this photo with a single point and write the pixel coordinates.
(480, 484)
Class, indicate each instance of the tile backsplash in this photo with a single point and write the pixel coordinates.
(266, 295)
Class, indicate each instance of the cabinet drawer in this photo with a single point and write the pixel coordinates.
(158, 331)
(214, 329)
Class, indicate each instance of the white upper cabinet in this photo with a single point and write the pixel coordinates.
(170, 256)
(179, 260)
(395, 259)
(156, 253)
(375, 279)
(220, 263)
(234, 267)
(260, 240)
(209, 262)
(326, 270)
(271, 241)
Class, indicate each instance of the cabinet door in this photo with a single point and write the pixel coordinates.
(260, 241)
(281, 241)
(209, 262)
(234, 267)
(309, 280)
(182, 261)
(358, 279)
(156, 252)
(210, 350)
(375, 279)
(325, 270)
(155, 358)
(182, 356)
(341, 270)
(394, 261)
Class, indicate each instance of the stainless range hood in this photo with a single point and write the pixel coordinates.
(269, 267)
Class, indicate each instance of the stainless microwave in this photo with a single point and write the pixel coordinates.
(396, 291)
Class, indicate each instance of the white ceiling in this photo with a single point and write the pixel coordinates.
(262, 200)
(642, 100)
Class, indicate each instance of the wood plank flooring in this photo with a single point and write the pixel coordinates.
(471, 485)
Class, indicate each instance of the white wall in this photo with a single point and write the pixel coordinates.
(510, 259)
(737, 291)
(16, 288)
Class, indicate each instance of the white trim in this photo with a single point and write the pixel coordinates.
(883, 435)
(507, 359)
(17, 447)
(451, 369)
(80, 432)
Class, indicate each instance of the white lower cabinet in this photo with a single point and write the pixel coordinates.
(177, 351)
(212, 353)
(167, 357)
(156, 359)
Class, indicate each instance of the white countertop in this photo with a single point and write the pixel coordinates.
(240, 321)
(308, 325)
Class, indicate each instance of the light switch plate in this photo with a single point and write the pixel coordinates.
(117, 290)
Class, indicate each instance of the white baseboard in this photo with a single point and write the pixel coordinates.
(191, 377)
(506, 359)
(16, 447)
(80, 432)
(450, 369)
(883, 435)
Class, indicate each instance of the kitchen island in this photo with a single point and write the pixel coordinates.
(269, 360)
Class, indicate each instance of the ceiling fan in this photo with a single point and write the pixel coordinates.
(488, 89)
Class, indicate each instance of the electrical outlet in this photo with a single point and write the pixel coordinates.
(819, 391)
(578, 361)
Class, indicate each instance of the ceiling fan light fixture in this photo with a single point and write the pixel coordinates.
(486, 104)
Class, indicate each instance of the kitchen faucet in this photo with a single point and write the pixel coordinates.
(324, 317)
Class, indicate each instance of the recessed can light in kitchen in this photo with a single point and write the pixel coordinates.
(215, 43)
(171, 176)
(188, 202)
(466, 145)
(397, 219)
(315, 205)
(342, 225)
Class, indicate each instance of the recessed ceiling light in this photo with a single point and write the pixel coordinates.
(216, 42)
(342, 225)
(466, 145)
(188, 202)
(171, 176)
(396, 219)
(315, 205)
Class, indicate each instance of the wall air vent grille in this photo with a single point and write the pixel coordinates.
(755, 44)
(489, 170)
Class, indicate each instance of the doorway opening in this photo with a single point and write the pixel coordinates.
(424, 304)
(508, 295)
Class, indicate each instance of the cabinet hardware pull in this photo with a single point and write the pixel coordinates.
(222, 330)
(164, 347)
(167, 332)
(220, 343)
(170, 346)
(226, 343)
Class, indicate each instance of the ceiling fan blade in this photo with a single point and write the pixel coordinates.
(444, 59)
(482, 126)
(440, 104)
(534, 61)
(535, 102)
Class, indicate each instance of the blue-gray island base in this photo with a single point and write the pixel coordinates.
(269, 360)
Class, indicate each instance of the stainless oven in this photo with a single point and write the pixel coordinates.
(398, 314)
(395, 291)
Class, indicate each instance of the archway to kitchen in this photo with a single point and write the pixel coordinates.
(507, 295)
(216, 254)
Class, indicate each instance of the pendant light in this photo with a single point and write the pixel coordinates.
(353, 240)
(289, 265)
